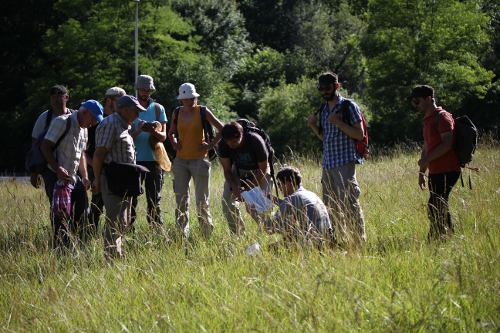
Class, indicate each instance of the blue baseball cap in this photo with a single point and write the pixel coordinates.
(95, 107)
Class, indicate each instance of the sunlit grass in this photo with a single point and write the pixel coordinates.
(395, 282)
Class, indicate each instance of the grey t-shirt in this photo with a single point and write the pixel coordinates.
(40, 124)
(42, 121)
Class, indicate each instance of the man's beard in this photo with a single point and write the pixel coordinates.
(330, 96)
(144, 99)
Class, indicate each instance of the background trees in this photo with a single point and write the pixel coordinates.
(257, 59)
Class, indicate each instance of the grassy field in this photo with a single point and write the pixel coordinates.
(395, 282)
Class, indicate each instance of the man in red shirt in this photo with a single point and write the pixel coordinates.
(439, 157)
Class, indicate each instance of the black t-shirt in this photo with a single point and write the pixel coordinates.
(91, 138)
(247, 157)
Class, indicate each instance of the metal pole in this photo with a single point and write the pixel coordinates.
(136, 43)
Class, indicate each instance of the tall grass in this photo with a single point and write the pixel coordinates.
(395, 282)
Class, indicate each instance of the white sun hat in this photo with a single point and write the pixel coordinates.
(186, 91)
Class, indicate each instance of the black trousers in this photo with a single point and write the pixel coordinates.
(96, 207)
(438, 210)
(75, 223)
(153, 183)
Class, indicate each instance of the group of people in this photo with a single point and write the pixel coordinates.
(119, 130)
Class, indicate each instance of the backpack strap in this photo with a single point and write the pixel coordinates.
(175, 115)
(68, 126)
(207, 127)
(157, 110)
(436, 121)
(49, 118)
(318, 114)
(345, 111)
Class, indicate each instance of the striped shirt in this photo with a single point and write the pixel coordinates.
(70, 149)
(338, 147)
(113, 134)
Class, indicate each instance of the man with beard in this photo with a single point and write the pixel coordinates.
(439, 157)
(340, 188)
(145, 153)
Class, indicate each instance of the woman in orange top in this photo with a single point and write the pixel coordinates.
(192, 160)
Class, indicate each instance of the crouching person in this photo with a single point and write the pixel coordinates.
(241, 154)
(68, 135)
(114, 144)
(302, 216)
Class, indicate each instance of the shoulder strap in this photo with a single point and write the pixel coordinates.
(345, 111)
(318, 114)
(436, 121)
(49, 117)
(68, 126)
(203, 112)
(157, 110)
(207, 127)
(175, 115)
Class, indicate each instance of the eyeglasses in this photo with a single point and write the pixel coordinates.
(325, 88)
(145, 91)
(415, 101)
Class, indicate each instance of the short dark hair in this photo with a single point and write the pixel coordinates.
(328, 79)
(290, 174)
(58, 87)
(232, 130)
(422, 91)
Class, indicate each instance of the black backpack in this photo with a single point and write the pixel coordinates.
(207, 129)
(465, 139)
(35, 161)
(250, 127)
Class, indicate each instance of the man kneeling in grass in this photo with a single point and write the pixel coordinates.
(302, 216)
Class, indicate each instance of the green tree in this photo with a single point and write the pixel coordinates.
(332, 41)
(94, 49)
(422, 42)
(283, 114)
(221, 28)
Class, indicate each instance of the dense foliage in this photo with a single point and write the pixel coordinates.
(257, 59)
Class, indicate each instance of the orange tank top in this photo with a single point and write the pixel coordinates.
(191, 134)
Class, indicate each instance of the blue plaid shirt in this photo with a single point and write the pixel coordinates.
(338, 147)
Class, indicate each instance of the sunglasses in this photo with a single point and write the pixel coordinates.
(325, 88)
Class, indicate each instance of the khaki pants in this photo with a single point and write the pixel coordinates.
(118, 213)
(230, 206)
(341, 193)
(199, 170)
